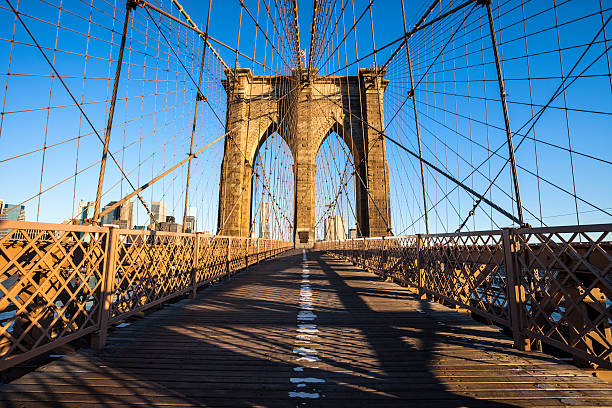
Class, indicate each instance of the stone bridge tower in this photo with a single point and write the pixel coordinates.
(304, 110)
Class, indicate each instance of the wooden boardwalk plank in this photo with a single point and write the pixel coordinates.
(314, 332)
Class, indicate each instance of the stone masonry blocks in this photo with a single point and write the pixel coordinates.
(304, 112)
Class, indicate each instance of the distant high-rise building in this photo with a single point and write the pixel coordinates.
(3, 217)
(159, 210)
(12, 212)
(189, 223)
(85, 211)
(335, 229)
(353, 233)
(8, 213)
(121, 216)
(264, 220)
(170, 225)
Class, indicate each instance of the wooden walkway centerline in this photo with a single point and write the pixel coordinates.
(306, 330)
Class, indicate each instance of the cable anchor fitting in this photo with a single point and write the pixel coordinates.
(132, 4)
(200, 97)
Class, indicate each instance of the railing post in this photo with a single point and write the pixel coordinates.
(227, 258)
(363, 258)
(194, 267)
(420, 265)
(248, 248)
(383, 257)
(514, 291)
(98, 339)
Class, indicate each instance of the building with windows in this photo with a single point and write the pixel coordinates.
(85, 211)
(264, 220)
(159, 211)
(190, 222)
(121, 216)
(11, 212)
(335, 229)
(170, 225)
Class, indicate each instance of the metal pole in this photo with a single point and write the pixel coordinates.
(199, 97)
(105, 294)
(190, 23)
(129, 6)
(228, 257)
(154, 180)
(195, 265)
(416, 121)
(502, 93)
(514, 290)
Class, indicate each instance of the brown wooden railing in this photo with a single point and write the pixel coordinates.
(546, 285)
(61, 282)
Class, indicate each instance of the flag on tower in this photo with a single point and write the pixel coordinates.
(302, 53)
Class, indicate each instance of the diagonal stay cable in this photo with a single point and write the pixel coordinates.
(536, 117)
(426, 162)
(408, 96)
(345, 36)
(264, 33)
(183, 65)
(17, 14)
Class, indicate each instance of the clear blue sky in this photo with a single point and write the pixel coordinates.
(154, 129)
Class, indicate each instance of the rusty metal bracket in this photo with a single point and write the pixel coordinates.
(200, 97)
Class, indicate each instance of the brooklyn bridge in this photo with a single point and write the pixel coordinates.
(305, 203)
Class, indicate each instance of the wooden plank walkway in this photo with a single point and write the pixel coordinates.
(306, 332)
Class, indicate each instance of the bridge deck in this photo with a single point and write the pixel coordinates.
(357, 341)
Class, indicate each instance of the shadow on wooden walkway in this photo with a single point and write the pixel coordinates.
(306, 330)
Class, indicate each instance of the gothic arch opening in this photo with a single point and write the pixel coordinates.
(272, 189)
(335, 189)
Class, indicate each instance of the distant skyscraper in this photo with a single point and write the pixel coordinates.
(8, 213)
(122, 215)
(170, 225)
(335, 229)
(189, 223)
(12, 212)
(264, 220)
(85, 211)
(159, 210)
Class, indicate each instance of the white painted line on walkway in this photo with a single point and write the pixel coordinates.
(307, 352)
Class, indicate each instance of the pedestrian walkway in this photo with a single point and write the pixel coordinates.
(306, 329)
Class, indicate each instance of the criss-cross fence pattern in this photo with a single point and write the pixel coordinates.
(549, 285)
(62, 282)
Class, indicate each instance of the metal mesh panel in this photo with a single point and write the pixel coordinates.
(50, 284)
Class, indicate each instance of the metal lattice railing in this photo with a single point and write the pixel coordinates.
(61, 282)
(547, 285)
